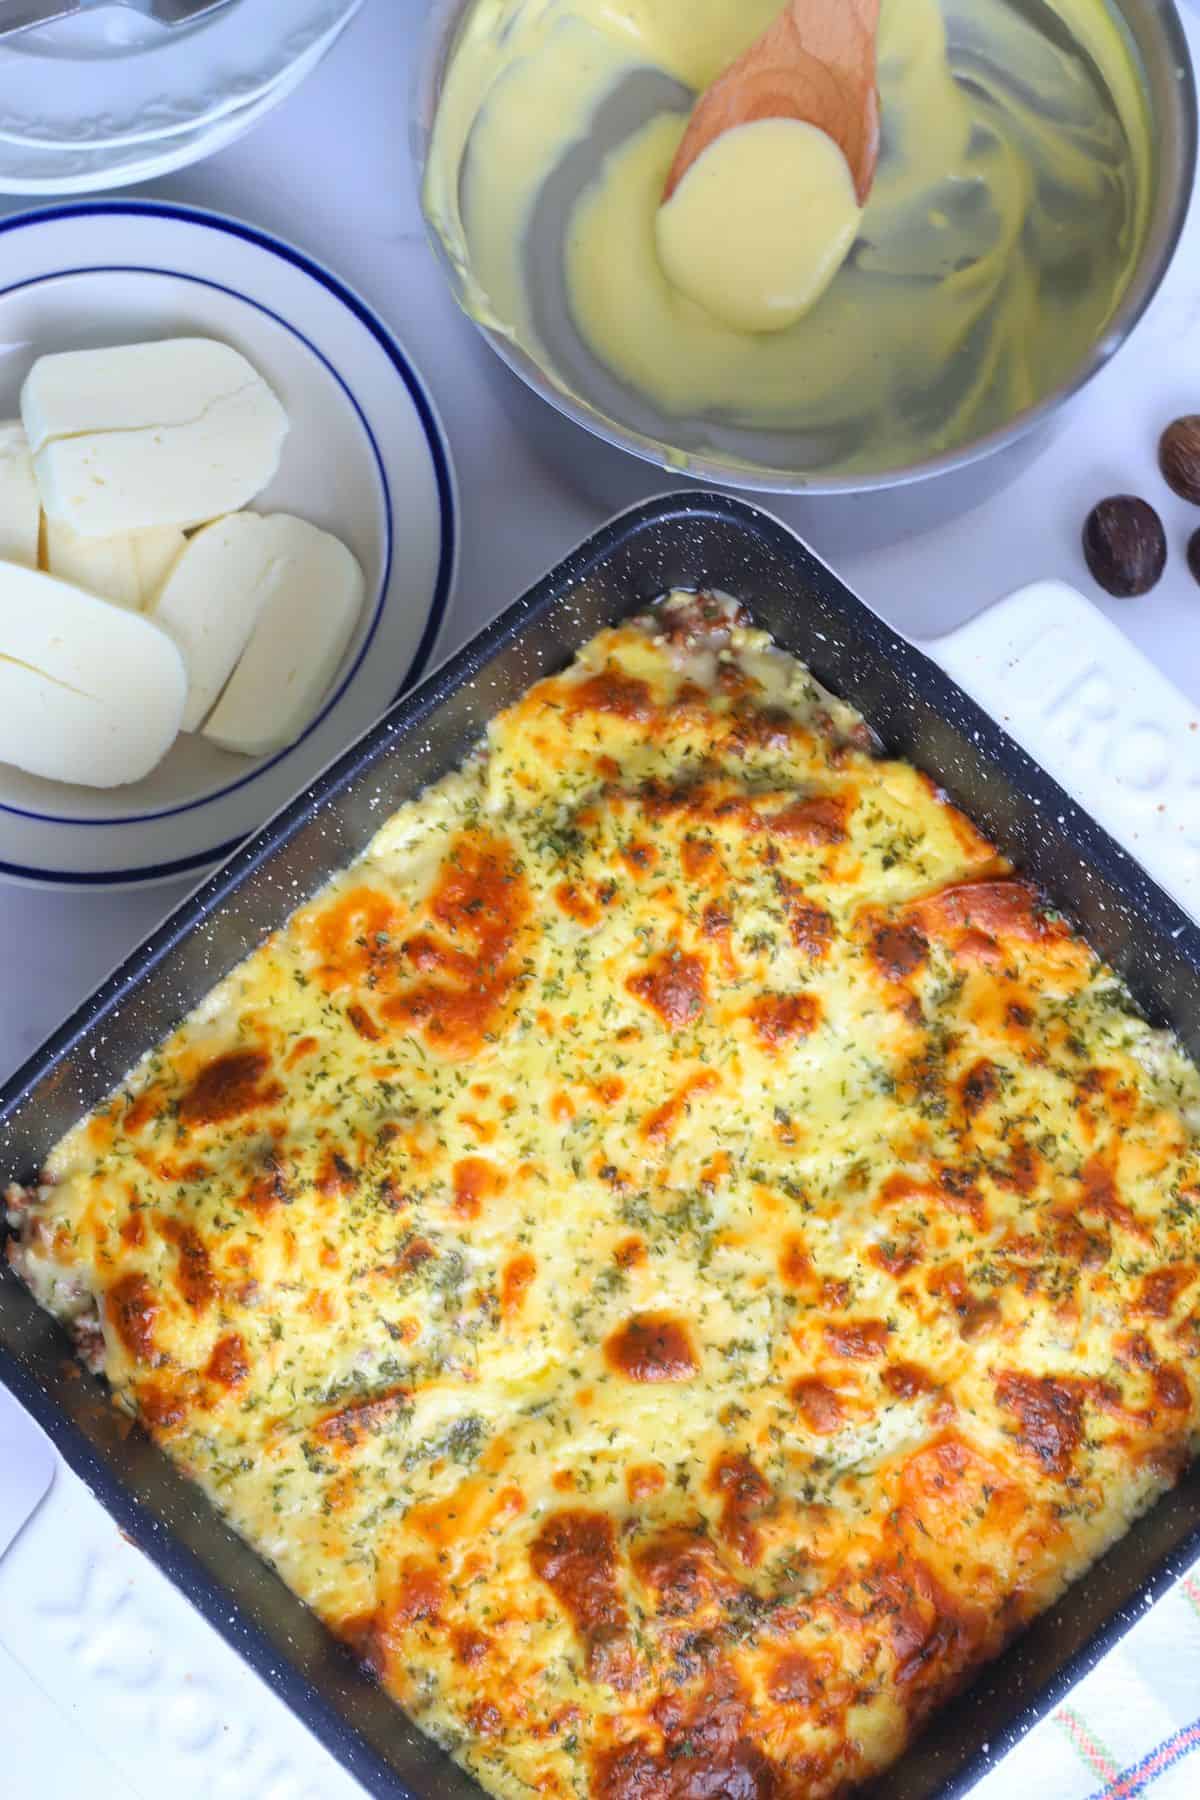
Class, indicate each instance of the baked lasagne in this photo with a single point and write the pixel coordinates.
(676, 1255)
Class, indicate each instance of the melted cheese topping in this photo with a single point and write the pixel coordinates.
(676, 1254)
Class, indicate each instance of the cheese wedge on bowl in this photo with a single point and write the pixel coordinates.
(176, 432)
(104, 566)
(89, 693)
(129, 568)
(20, 503)
(210, 601)
(137, 598)
(154, 553)
(314, 595)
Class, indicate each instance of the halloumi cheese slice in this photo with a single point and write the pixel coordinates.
(105, 566)
(170, 433)
(20, 505)
(89, 693)
(210, 602)
(155, 551)
(299, 638)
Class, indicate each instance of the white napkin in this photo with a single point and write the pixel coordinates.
(26, 1468)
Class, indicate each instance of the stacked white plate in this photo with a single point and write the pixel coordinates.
(106, 96)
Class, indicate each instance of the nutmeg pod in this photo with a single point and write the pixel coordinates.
(1179, 457)
(1193, 554)
(1125, 545)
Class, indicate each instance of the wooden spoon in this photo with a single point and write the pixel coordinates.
(816, 63)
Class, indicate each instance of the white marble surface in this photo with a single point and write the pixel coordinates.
(331, 172)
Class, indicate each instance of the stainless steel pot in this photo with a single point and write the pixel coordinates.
(855, 510)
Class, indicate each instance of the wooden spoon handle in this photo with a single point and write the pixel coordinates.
(816, 63)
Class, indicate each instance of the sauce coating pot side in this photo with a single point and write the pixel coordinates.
(692, 540)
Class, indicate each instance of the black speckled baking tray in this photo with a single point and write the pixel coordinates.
(680, 541)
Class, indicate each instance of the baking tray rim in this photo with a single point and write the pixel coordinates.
(218, 1604)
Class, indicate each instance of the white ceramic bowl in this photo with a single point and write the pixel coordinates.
(365, 458)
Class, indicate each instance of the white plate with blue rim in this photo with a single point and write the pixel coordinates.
(365, 457)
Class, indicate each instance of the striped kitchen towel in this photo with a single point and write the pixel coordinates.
(1131, 1727)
